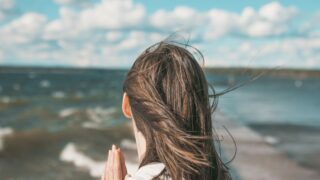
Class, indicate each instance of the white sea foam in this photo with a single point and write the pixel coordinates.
(128, 144)
(92, 125)
(4, 131)
(67, 112)
(96, 116)
(271, 140)
(71, 154)
(45, 83)
(58, 94)
(5, 99)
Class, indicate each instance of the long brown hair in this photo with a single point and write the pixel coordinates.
(169, 98)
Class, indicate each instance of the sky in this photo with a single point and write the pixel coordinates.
(112, 33)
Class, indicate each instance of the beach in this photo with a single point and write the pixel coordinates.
(59, 123)
(256, 158)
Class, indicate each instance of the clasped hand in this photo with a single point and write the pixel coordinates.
(115, 168)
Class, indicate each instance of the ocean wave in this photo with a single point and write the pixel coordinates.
(45, 83)
(92, 125)
(58, 95)
(270, 139)
(4, 131)
(71, 154)
(128, 144)
(5, 99)
(67, 112)
(91, 118)
(97, 116)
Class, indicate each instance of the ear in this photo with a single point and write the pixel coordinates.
(126, 109)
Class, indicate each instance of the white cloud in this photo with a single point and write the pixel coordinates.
(295, 52)
(6, 4)
(65, 2)
(181, 18)
(64, 28)
(270, 20)
(220, 23)
(7, 8)
(25, 29)
(112, 14)
(1, 55)
(311, 27)
(295, 47)
(113, 32)
(112, 36)
(274, 12)
(138, 40)
(125, 14)
(106, 15)
(96, 35)
(73, 2)
(134, 40)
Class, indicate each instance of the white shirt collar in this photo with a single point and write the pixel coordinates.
(147, 172)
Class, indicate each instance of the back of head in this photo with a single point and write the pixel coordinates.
(168, 94)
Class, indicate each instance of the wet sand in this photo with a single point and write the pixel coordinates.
(36, 154)
(255, 158)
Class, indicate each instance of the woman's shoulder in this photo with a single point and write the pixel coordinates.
(147, 172)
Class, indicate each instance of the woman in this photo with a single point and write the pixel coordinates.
(165, 94)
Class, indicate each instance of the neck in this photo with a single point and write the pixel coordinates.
(141, 142)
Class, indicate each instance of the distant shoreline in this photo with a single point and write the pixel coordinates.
(283, 72)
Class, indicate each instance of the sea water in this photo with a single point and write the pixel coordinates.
(58, 123)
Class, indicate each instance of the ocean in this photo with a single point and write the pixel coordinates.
(58, 123)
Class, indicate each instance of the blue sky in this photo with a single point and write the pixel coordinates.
(112, 33)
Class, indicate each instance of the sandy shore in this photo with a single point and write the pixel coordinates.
(256, 159)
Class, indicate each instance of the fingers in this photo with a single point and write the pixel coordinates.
(117, 171)
(103, 177)
(110, 170)
(108, 166)
(123, 164)
(115, 167)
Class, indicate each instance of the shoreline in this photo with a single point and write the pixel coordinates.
(255, 158)
(299, 73)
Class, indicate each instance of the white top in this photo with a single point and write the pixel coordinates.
(147, 172)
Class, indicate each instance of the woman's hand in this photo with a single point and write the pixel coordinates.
(115, 167)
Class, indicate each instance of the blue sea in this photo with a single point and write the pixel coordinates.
(58, 123)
